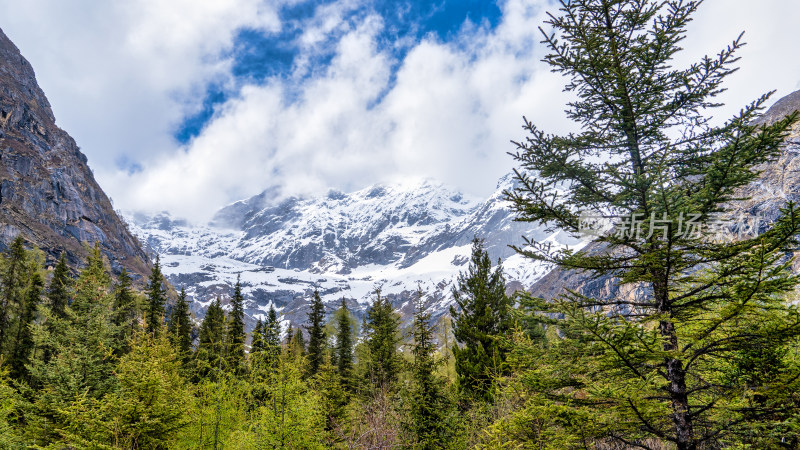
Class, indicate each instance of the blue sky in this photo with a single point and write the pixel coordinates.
(188, 105)
(258, 55)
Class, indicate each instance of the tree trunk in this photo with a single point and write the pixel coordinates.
(676, 375)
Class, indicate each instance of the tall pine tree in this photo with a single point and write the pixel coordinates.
(156, 299)
(382, 334)
(316, 334)
(658, 364)
(427, 400)
(23, 342)
(211, 347)
(344, 345)
(180, 328)
(12, 296)
(482, 317)
(272, 336)
(58, 291)
(236, 333)
(126, 312)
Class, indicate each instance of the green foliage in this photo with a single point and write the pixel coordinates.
(59, 289)
(316, 335)
(23, 342)
(156, 299)
(236, 335)
(685, 358)
(10, 438)
(126, 312)
(20, 291)
(257, 344)
(482, 317)
(272, 336)
(344, 346)
(427, 400)
(82, 360)
(382, 335)
(180, 328)
(145, 411)
(211, 348)
(297, 343)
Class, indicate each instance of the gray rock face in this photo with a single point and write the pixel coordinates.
(47, 191)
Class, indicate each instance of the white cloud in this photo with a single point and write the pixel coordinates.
(122, 75)
(120, 78)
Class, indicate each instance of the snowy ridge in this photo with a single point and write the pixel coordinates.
(396, 238)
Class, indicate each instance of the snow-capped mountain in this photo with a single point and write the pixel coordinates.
(396, 238)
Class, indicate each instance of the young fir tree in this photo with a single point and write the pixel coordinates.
(295, 344)
(180, 328)
(316, 335)
(210, 350)
(427, 399)
(298, 343)
(482, 317)
(58, 291)
(257, 338)
(156, 299)
(23, 341)
(272, 337)
(236, 333)
(381, 331)
(12, 292)
(344, 345)
(658, 364)
(125, 312)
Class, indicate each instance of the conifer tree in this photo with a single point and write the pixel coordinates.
(156, 299)
(23, 345)
(125, 312)
(382, 336)
(210, 350)
(482, 317)
(58, 291)
(316, 334)
(257, 338)
(272, 336)
(236, 333)
(657, 365)
(298, 343)
(427, 392)
(12, 297)
(344, 345)
(180, 327)
(82, 362)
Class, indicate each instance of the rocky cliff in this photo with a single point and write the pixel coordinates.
(47, 191)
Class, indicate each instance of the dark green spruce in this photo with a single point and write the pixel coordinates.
(156, 299)
(236, 333)
(316, 335)
(382, 334)
(482, 317)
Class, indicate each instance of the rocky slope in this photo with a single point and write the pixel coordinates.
(397, 238)
(47, 191)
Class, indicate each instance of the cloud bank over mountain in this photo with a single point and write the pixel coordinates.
(189, 105)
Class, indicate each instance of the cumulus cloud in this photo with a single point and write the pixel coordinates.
(443, 109)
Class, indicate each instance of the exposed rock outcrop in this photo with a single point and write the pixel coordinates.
(47, 191)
